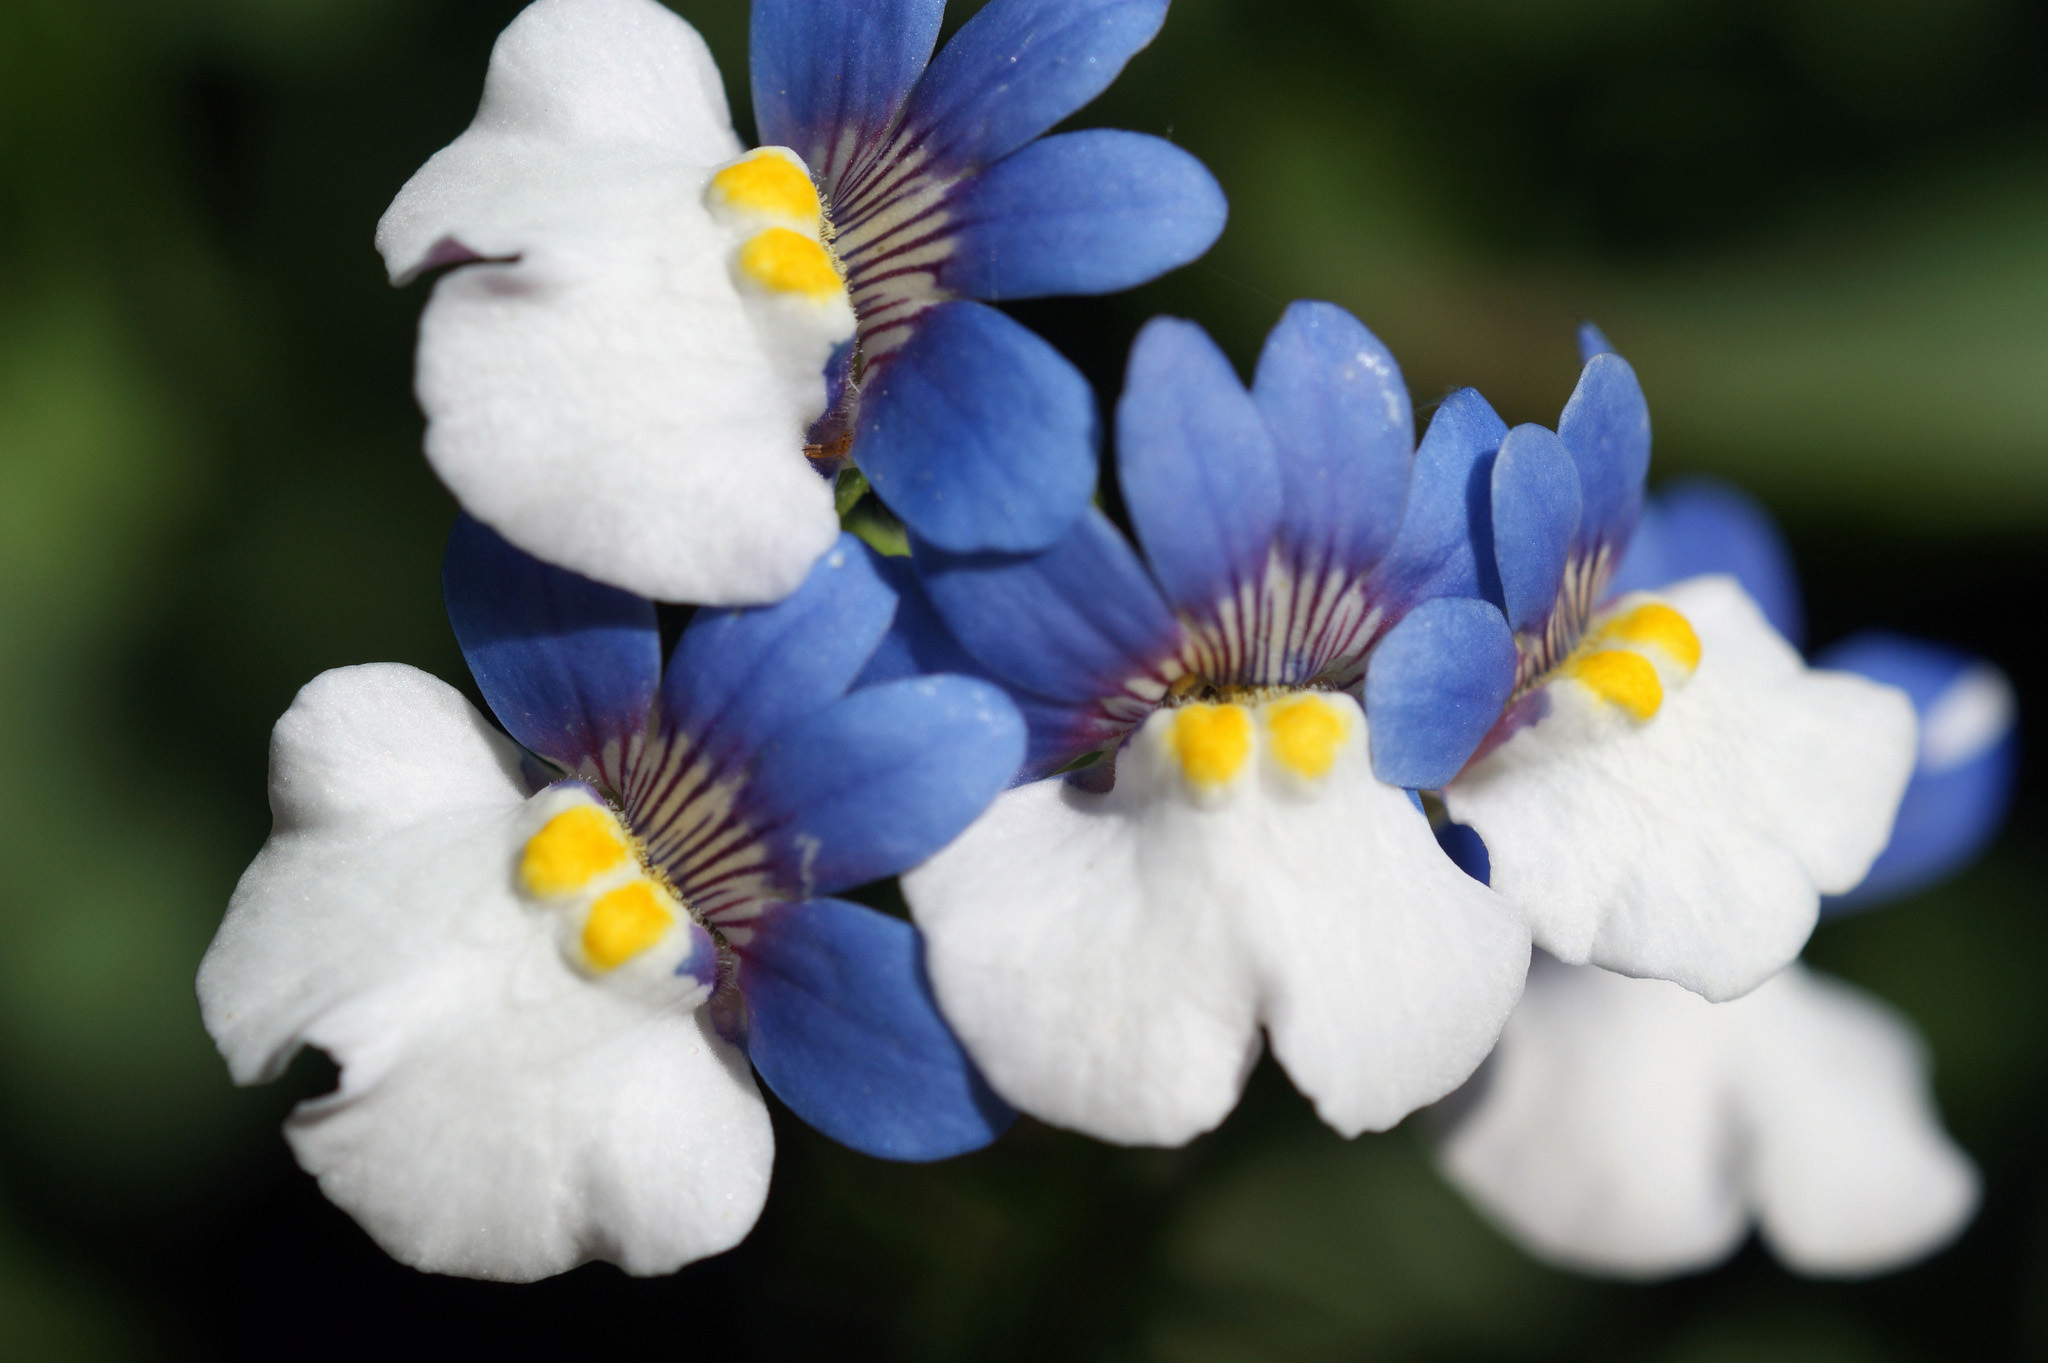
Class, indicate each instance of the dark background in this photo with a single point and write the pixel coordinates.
(1818, 227)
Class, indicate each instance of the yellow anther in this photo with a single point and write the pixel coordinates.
(571, 850)
(1625, 678)
(1307, 731)
(789, 262)
(1658, 624)
(1211, 741)
(770, 184)
(624, 923)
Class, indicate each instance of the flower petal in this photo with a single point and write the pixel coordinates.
(1693, 847)
(498, 1115)
(738, 677)
(841, 1024)
(1598, 1135)
(1197, 468)
(1107, 959)
(1968, 761)
(1436, 552)
(1018, 67)
(1082, 213)
(1535, 504)
(879, 781)
(1850, 1171)
(566, 664)
(1606, 426)
(1695, 526)
(918, 643)
(978, 433)
(830, 79)
(1343, 430)
(1436, 684)
(596, 388)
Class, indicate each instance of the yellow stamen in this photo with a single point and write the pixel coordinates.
(1658, 624)
(1307, 732)
(1211, 741)
(624, 923)
(571, 850)
(770, 184)
(789, 262)
(1624, 678)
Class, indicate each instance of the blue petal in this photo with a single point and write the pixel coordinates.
(1606, 426)
(1963, 783)
(1593, 341)
(1535, 514)
(1071, 623)
(1017, 68)
(1702, 525)
(918, 643)
(841, 1023)
(1343, 430)
(1197, 467)
(877, 782)
(821, 71)
(1467, 850)
(1434, 687)
(978, 434)
(739, 676)
(566, 664)
(1446, 530)
(1081, 213)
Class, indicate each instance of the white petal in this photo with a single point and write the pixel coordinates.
(1694, 847)
(498, 1115)
(602, 393)
(1107, 959)
(1598, 1134)
(1850, 1169)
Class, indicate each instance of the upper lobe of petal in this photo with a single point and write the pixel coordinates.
(829, 79)
(1606, 426)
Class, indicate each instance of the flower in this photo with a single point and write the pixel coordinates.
(1626, 1127)
(543, 974)
(652, 327)
(1670, 789)
(1109, 947)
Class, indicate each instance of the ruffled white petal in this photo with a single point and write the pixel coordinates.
(1628, 1127)
(1694, 846)
(498, 1115)
(602, 392)
(1108, 959)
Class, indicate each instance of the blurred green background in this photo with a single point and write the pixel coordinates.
(1818, 227)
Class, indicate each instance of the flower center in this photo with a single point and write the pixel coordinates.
(769, 194)
(1213, 741)
(1616, 660)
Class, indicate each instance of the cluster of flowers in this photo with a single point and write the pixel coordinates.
(1354, 731)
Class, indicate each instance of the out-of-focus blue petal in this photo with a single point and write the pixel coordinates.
(918, 643)
(739, 676)
(1593, 341)
(1606, 426)
(1446, 532)
(1071, 623)
(564, 663)
(1467, 850)
(875, 783)
(978, 433)
(1081, 213)
(1703, 525)
(823, 70)
(1535, 516)
(1969, 756)
(841, 1023)
(1017, 68)
(1333, 398)
(1196, 465)
(1434, 687)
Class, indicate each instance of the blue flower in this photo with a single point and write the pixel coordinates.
(1669, 790)
(658, 342)
(543, 972)
(1110, 946)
